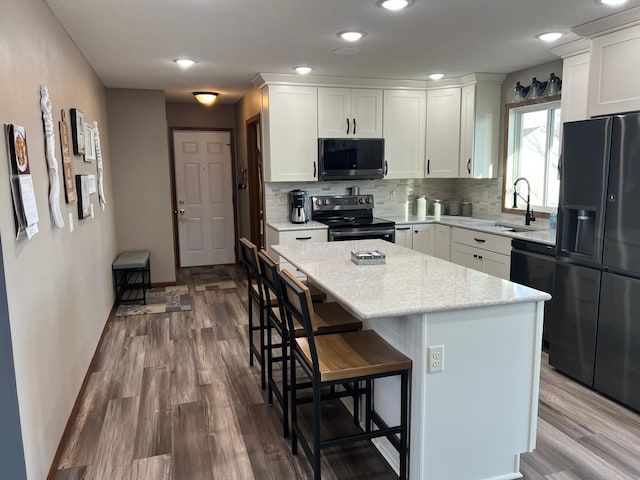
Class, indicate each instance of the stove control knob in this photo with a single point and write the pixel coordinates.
(318, 202)
(361, 200)
(326, 201)
(369, 200)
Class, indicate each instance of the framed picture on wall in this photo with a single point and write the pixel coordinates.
(89, 143)
(84, 205)
(77, 131)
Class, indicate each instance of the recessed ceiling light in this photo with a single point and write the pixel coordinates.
(184, 62)
(303, 69)
(550, 36)
(346, 51)
(436, 76)
(351, 36)
(394, 4)
(612, 3)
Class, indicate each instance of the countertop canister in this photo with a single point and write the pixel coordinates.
(437, 209)
(421, 206)
(466, 209)
(454, 207)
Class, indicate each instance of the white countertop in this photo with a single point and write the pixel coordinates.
(544, 236)
(286, 226)
(408, 283)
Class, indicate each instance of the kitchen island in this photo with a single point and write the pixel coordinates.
(472, 419)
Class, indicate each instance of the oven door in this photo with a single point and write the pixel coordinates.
(338, 235)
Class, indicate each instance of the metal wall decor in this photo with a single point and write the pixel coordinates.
(52, 162)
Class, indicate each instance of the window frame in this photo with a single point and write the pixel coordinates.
(507, 141)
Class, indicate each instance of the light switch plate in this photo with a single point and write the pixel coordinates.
(71, 222)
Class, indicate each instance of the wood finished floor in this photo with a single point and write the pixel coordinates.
(172, 396)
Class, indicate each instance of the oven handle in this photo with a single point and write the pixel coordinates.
(361, 232)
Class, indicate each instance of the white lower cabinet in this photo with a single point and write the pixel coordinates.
(443, 242)
(480, 251)
(420, 237)
(290, 237)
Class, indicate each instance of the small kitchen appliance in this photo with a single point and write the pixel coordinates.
(299, 206)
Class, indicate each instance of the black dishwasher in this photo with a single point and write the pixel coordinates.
(533, 265)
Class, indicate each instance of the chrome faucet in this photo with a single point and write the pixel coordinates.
(528, 216)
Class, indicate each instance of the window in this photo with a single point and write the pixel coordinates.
(533, 150)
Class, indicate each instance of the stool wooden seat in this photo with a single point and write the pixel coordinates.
(131, 271)
(331, 318)
(336, 359)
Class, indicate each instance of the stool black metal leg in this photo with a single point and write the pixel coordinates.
(368, 406)
(263, 348)
(316, 430)
(294, 404)
(269, 360)
(285, 384)
(250, 312)
(404, 419)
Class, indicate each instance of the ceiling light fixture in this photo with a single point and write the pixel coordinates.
(206, 98)
(394, 5)
(351, 36)
(550, 36)
(184, 62)
(612, 3)
(303, 69)
(436, 76)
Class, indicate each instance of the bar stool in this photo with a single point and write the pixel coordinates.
(256, 295)
(330, 318)
(339, 358)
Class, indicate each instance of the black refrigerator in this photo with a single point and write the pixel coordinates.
(594, 318)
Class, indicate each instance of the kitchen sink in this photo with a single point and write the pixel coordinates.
(509, 227)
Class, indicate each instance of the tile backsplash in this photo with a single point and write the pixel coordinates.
(397, 197)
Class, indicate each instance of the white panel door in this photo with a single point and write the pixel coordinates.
(204, 198)
(334, 111)
(366, 113)
(424, 238)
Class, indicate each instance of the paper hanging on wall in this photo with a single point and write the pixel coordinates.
(52, 163)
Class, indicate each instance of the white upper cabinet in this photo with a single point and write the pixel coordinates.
(290, 133)
(614, 73)
(405, 112)
(479, 130)
(575, 83)
(349, 113)
(443, 132)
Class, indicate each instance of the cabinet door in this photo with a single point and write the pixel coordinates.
(575, 83)
(290, 126)
(334, 109)
(480, 130)
(404, 235)
(443, 242)
(443, 132)
(424, 238)
(465, 256)
(495, 264)
(404, 133)
(366, 113)
(613, 75)
(467, 123)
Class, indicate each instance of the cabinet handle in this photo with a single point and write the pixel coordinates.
(417, 231)
(303, 238)
(428, 166)
(469, 166)
(314, 169)
(475, 255)
(347, 126)
(403, 228)
(386, 167)
(354, 126)
(479, 257)
(479, 240)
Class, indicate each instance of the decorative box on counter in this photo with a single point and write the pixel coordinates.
(367, 257)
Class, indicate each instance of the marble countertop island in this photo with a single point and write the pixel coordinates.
(408, 283)
(473, 415)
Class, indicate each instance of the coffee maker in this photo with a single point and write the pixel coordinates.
(299, 209)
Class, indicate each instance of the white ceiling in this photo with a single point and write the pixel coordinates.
(131, 43)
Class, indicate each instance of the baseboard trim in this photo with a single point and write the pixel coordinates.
(76, 405)
(163, 284)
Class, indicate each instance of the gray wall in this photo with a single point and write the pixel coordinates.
(141, 178)
(195, 115)
(58, 284)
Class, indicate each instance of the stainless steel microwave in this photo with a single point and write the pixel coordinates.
(351, 158)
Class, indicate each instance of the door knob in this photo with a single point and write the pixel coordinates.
(182, 211)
